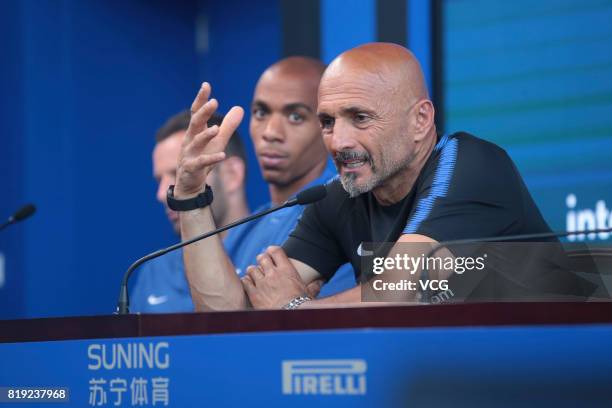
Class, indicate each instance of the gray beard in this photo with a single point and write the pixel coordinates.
(353, 189)
(379, 176)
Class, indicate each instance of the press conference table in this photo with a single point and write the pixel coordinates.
(480, 354)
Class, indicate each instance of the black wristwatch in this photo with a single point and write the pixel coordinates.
(200, 201)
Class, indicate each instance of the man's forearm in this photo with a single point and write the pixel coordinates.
(212, 277)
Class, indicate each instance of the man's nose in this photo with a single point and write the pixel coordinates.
(342, 138)
(274, 132)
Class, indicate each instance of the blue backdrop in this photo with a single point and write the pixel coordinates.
(536, 78)
(84, 86)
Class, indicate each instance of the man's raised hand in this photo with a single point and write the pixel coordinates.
(203, 146)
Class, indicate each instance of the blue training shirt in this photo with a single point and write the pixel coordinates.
(161, 286)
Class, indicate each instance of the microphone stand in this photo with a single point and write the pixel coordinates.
(307, 196)
(123, 303)
(558, 234)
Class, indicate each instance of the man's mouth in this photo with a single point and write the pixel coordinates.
(352, 160)
(272, 158)
(353, 164)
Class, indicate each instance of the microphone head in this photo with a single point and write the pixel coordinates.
(24, 212)
(311, 195)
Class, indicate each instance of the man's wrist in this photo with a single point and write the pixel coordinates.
(202, 200)
(186, 195)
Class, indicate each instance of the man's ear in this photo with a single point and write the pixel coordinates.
(423, 119)
(232, 174)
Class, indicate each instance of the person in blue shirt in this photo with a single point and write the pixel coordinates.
(286, 135)
(287, 138)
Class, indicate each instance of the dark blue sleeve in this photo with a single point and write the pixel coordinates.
(473, 191)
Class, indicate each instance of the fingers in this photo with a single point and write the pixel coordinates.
(265, 261)
(200, 118)
(278, 255)
(198, 103)
(230, 123)
(201, 97)
(203, 147)
(206, 160)
(200, 140)
(254, 273)
(248, 285)
(199, 163)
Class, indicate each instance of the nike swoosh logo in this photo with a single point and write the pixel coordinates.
(362, 252)
(157, 300)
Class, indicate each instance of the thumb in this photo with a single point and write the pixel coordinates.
(230, 123)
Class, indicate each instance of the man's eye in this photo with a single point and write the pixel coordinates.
(295, 117)
(361, 118)
(259, 113)
(327, 123)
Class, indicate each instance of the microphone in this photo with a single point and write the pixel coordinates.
(21, 214)
(307, 196)
(521, 237)
(310, 195)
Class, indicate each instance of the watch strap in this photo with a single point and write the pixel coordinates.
(200, 201)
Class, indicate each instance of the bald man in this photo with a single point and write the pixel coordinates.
(287, 138)
(399, 182)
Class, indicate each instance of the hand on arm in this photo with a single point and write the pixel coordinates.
(211, 275)
(277, 279)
